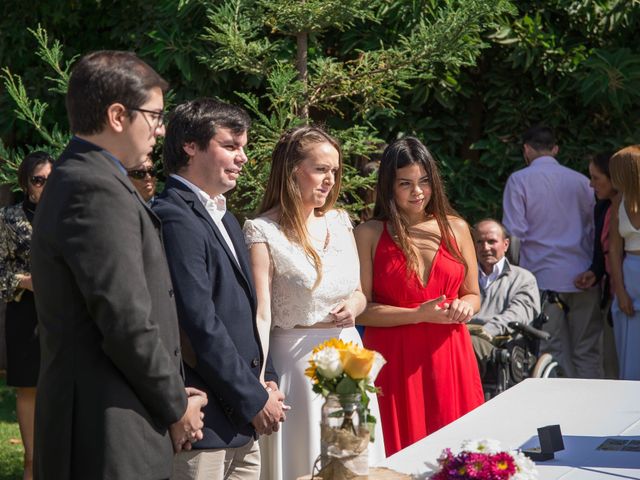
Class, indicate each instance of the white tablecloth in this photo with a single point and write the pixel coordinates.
(588, 412)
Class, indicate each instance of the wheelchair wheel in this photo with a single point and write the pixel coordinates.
(552, 371)
(546, 367)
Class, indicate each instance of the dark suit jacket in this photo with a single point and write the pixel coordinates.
(216, 309)
(110, 379)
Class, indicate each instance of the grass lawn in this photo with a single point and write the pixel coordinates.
(10, 446)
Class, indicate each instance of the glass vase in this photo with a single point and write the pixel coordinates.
(344, 437)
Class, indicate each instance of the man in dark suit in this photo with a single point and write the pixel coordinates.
(208, 259)
(111, 400)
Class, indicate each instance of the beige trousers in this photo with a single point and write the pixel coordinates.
(242, 463)
(576, 341)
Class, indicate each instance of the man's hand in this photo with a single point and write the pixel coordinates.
(271, 386)
(268, 419)
(24, 281)
(188, 429)
(585, 280)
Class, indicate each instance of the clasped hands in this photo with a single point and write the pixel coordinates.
(456, 311)
(272, 414)
(188, 429)
(343, 315)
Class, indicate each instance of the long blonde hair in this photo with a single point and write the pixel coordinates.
(282, 191)
(624, 167)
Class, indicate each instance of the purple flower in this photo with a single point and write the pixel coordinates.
(478, 466)
(475, 465)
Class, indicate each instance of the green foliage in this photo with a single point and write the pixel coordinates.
(310, 16)
(32, 111)
(340, 89)
(11, 159)
(611, 79)
(467, 77)
(28, 110)
(570, 64)
(11, 450)
(53, 57)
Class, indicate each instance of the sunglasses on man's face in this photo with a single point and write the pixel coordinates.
(38, 180)
(142, 173)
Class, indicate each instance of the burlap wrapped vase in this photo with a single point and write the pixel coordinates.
(344, 438)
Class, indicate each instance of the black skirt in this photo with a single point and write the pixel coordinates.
(23, 344)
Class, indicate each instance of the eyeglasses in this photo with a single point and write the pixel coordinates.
(38, 180)
(142, 173)
(157, 116)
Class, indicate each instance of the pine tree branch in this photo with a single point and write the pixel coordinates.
(30, 111)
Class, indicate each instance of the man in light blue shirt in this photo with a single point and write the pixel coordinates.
(549, 208)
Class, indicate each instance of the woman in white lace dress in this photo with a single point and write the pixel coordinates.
(306, 272)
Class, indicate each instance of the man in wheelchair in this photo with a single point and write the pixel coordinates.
(509, 294)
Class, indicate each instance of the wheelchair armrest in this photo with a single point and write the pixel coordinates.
(529, 331)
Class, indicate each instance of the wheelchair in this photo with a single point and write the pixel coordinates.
(517, 357)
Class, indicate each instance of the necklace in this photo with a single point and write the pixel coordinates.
(327, 238)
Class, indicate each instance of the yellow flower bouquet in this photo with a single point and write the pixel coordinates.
(344, 368)
(344, 373)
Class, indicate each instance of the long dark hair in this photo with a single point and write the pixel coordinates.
(29, 165)
(601, 162)
(401, 153)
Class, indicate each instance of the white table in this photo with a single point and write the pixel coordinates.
(588, 412)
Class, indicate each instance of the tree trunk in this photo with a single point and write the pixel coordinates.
(475, 112)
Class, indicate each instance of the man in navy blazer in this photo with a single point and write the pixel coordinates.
(215, 296)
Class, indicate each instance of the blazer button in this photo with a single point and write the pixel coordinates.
(255, 362)
(171, 293)
(176, 352)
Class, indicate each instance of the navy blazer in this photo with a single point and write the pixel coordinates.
(216, 302)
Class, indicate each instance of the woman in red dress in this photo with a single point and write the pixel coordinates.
(419, 272)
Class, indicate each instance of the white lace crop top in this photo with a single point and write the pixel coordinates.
(630, 234)
(293, 301)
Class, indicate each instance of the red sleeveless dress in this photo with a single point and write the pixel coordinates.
(431, 376)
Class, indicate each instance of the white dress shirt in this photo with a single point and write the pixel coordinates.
(216, 207)
(486, 280)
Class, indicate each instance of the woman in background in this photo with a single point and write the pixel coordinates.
(420, 276)
(306, 272)
(624, 259)
(23, 344)
(144, 179)
(599, 271)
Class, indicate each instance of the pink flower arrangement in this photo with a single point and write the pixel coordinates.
(483, 460)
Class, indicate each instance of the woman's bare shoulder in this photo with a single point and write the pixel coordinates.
(369, 230)
(370, 227)
(458, 224)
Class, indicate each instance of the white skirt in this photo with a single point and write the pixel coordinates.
(291, 452)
